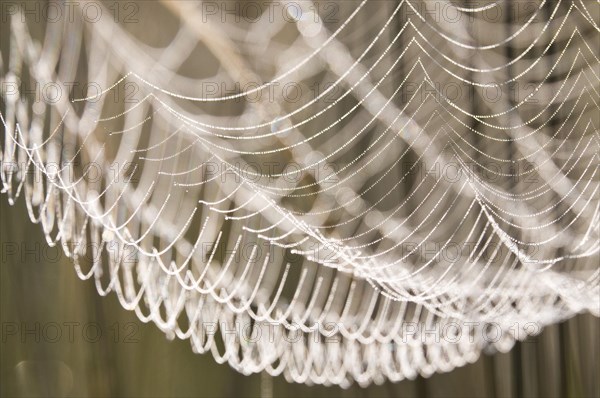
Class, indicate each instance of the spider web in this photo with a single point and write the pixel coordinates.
(373, 196)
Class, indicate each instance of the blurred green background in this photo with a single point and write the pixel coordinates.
(61, 339)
